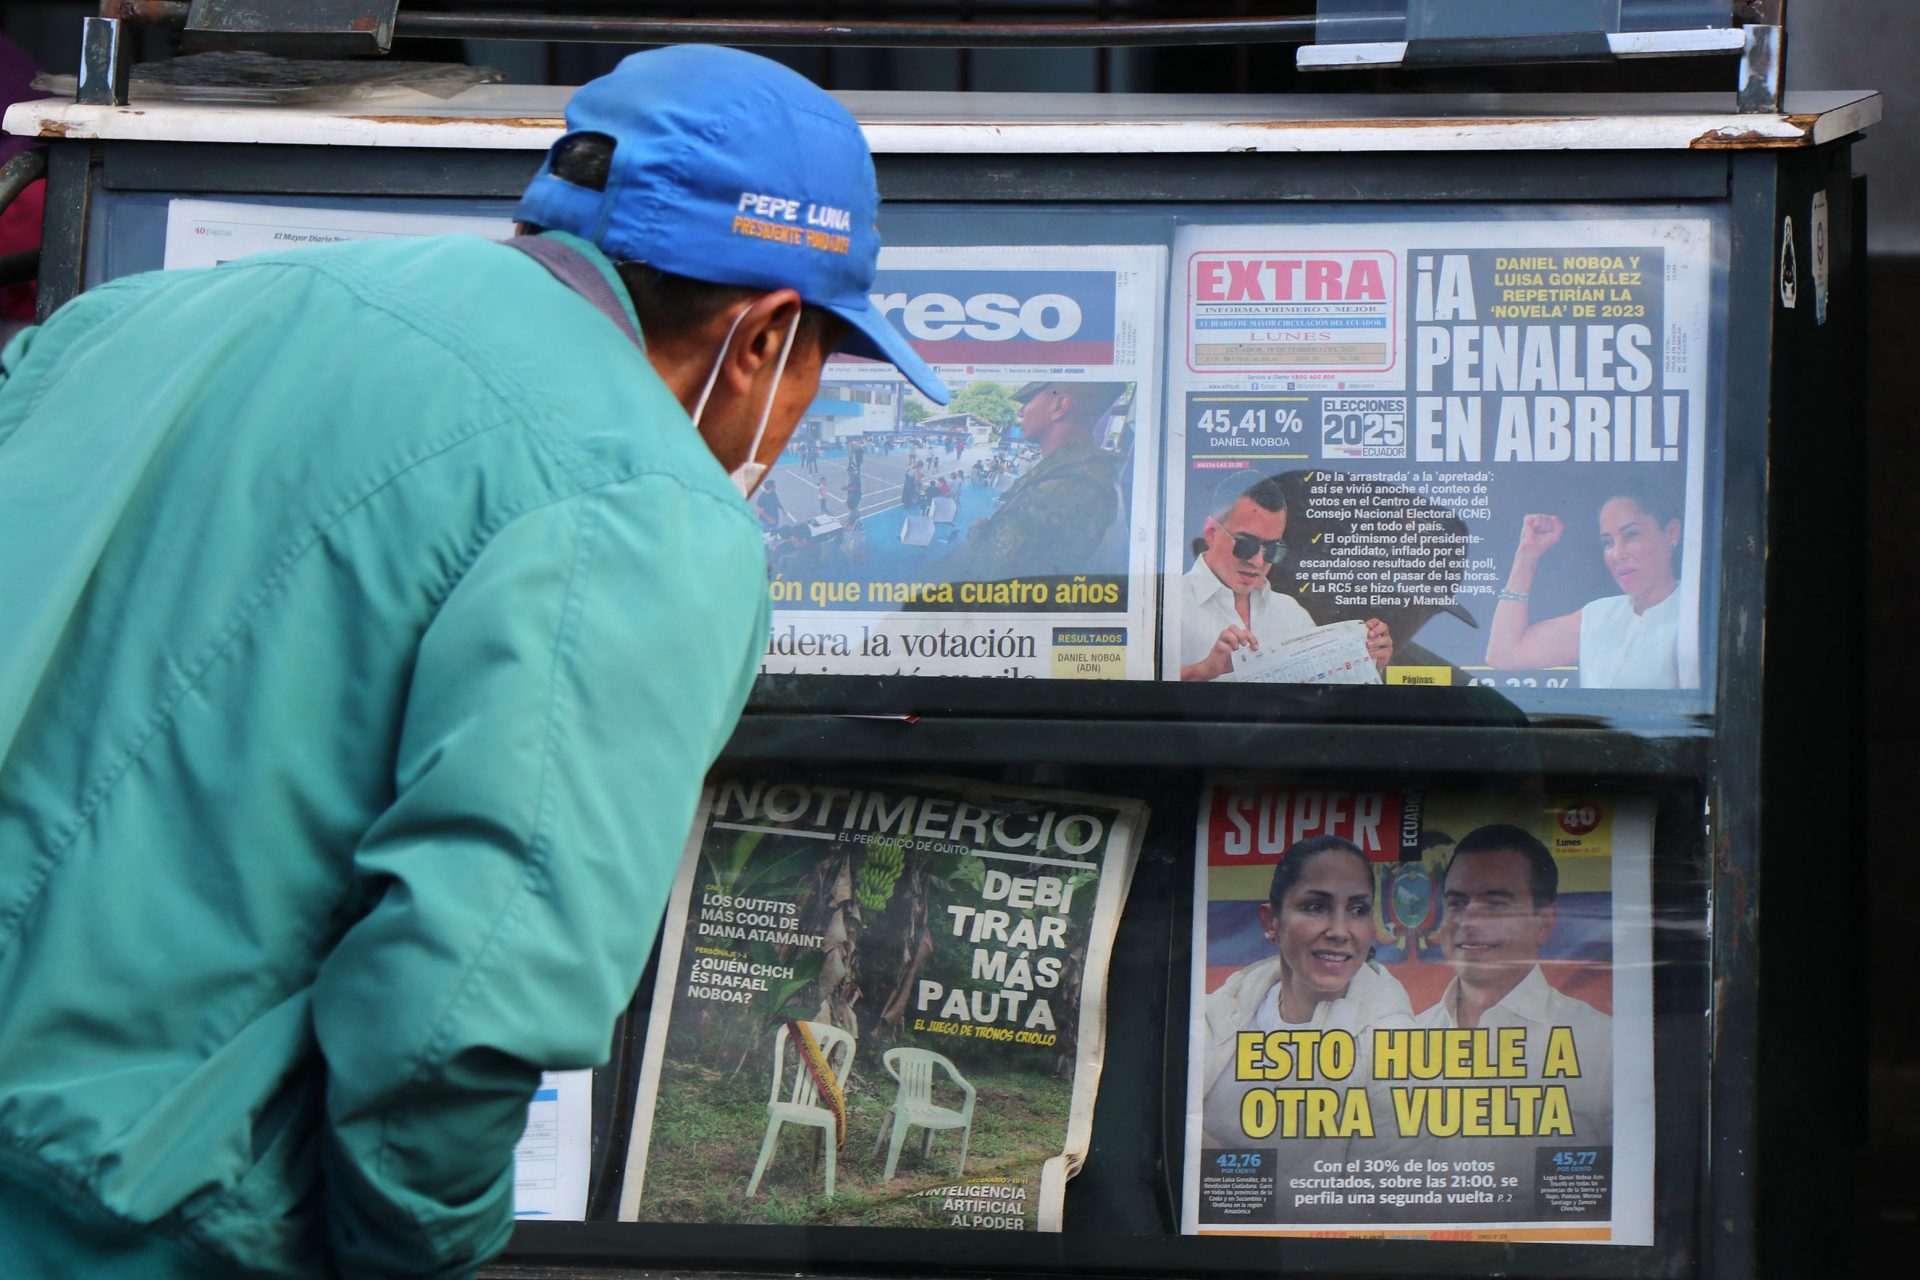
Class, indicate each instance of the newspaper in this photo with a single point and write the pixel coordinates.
(1443, 1029)
(1489, 436)
(880, 1004)
(206, 233)
(550, 1162)
(1008, 533)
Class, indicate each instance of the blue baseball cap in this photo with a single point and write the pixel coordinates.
(732, 169)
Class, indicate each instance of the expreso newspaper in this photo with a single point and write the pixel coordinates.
(1008, 533)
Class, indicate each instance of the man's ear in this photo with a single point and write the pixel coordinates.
(762, 332)
(1548, 916)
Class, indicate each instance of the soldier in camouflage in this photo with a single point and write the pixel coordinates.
(1058, 518)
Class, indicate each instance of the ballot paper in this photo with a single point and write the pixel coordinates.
(1334, 654)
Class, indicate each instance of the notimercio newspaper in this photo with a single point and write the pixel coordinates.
(1009, 532)
(880, 1003)
(1420, 1014)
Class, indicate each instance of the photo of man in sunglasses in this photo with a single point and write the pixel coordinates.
(1229, 604)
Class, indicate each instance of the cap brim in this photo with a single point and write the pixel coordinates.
(873, 337)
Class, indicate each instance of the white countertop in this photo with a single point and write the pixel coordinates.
(528, 117)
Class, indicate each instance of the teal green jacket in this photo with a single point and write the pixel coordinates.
(369, 616)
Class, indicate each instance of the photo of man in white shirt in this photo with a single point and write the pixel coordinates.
(1499, 903)
(1228, 603)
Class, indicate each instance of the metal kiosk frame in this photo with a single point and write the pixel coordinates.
(1743, 792)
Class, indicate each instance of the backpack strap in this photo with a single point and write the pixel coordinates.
(571, 268)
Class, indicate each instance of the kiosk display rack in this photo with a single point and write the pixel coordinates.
(1558, 396)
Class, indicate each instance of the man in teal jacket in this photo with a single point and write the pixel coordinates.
(368, 618)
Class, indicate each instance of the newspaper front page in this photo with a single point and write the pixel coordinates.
(1421, 1014)
(206, 233)
(880, 1003)
(551, 1162)
(1008, 533)
(1485, 439)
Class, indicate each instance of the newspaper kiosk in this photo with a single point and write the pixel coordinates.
(1512, 423)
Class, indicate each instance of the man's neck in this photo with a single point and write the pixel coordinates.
(1473, 999)
(1057, 440)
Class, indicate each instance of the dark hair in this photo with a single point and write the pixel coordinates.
(1293, 863)
(584, 160)
(1264, 493)
(660, 298)
(663, 298)
(1658, 503)
(1543, 877)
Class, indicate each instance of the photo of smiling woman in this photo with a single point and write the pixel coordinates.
(1624, 641)
(1319, 918)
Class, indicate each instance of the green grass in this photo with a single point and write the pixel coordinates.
(707, 1133)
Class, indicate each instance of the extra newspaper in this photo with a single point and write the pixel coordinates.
(1485, 439)
(1008, 533)
(880, 1004)
(1421, 1014)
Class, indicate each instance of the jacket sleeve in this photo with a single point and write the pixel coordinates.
(566, 702)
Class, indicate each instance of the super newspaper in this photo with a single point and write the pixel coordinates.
(1422, 1014)
(1488, 438)
(880, 1003)
(1009, 532)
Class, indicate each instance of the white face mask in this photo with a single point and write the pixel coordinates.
(747, 476)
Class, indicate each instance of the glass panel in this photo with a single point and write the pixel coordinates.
(1466, 1033)
(1230, 449)
(1415, 447)
(1363, 21)
(1426, 387)
(1442, 18)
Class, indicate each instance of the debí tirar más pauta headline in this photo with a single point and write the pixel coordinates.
(1018, 928)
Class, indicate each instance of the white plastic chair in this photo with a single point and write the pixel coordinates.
(913, 1104)
(803, 1096)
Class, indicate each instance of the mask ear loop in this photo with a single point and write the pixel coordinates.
(779, 371)
(713, 374)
